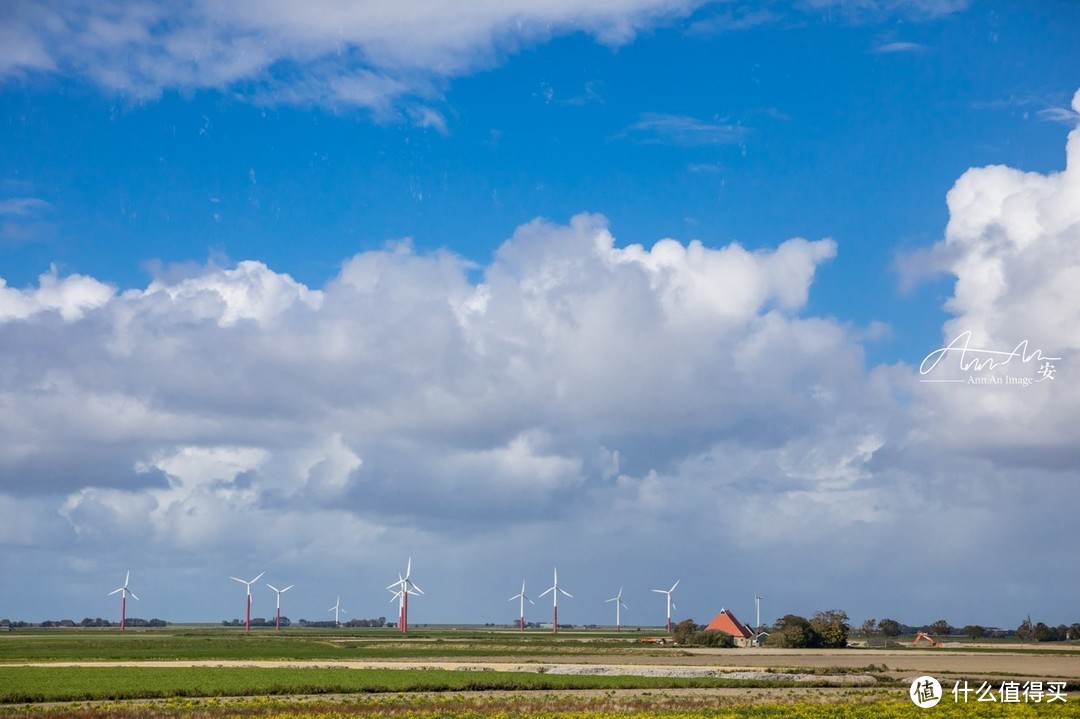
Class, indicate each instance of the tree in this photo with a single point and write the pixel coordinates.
(1026, 630)
(1074, 631)
(890, 628)
(868, 628)
(712, 638)
(794, 632)
(684, 630)
(940, 628)
(974, 631)
(832, 628)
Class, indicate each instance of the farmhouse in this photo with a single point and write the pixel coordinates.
(725, 621)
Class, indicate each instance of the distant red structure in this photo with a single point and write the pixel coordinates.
(725, 621)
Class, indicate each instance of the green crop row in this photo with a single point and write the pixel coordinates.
(51, 684)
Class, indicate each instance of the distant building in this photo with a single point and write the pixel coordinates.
(725, 621)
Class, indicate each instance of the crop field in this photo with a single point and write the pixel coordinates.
(194, 672)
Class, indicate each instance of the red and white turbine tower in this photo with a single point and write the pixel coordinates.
(521, 614)
(247, 615)
(279, 592)
(555, 589)
(405, 586)
(124, 591)
(618, 603)
(670, 604)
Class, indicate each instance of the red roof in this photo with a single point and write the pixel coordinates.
(725, 621)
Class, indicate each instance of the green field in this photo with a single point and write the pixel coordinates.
(228, 689)
(52, 684)
(205, 643)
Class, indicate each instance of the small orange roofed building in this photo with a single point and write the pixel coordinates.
(725, 621)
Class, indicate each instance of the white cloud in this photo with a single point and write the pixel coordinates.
(580, 396)
(70, 297)
(22, 206)
(1013, 244)
(367, 54)
(249, 292)
(684, 131)
(895, 47)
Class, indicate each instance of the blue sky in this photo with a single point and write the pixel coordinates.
(398, 274)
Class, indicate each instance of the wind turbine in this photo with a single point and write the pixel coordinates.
(523, 598)
(337, 609)
(277, 617)
(555, 589)
(408, 586)
(247, 617)
(618, 602)
(670, 604)
(399, 595)
(123, 599)
(757, 605)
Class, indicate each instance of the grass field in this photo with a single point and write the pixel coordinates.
(297, 644)
(450, 673)
(53, 684)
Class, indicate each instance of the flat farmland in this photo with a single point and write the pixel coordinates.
(595, 672)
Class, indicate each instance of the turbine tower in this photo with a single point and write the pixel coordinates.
(555, 589)
(618, 602)
(757, 606)
(523, 598)
(247, 616)
(277, 616)
(124, 591)
(336, 609)
(670, 604)
(406, 586)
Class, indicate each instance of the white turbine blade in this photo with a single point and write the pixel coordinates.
(674, 585)
(673, 605)
(256, 578)
(238, 579)
(414, 587)
(624, 604)
(273, 587)
(287, 588)
(530, 601)
(545, 591)
(516, 596)
(132, 594)
(566, 592)
(127, 578)
(613, 599)
(408, 568)
(115, 591)
(661, 591)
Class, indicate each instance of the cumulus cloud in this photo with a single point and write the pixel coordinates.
(235, 390)
(571, 394)
(70, 297)
(1013, 244)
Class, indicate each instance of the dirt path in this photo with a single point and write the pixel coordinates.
(1020, 665)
